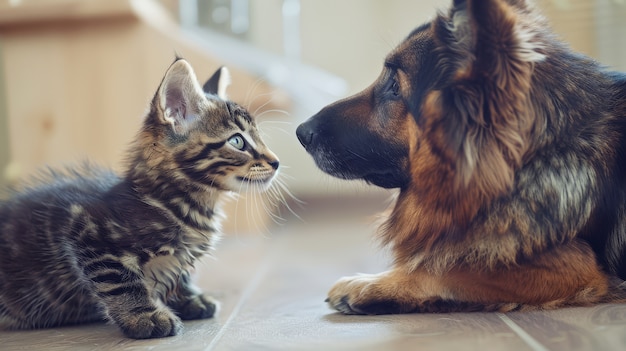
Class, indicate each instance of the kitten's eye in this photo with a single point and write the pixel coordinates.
(237, 141)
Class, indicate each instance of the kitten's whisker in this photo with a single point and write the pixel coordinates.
(247, 101)
(270, 94)
(288, 192)
(288, 176)
(264, 133)
(257, 194)
(250, 202)
(243, 189)
(277, 111)
(253, 207)
(260, 124)
(269, 208)
(263, 106)
(284, 189)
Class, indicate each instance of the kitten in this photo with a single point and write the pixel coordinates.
(87, 245)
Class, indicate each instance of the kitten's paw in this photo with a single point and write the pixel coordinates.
(157, 324)
(197, 307)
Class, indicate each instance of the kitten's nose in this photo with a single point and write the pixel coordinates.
(305, 134)
(274, 164)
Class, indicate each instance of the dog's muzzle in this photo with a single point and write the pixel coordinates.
(351, 156)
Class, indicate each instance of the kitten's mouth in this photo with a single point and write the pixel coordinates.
(261, 180)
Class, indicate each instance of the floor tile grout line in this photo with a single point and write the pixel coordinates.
(527, 338)
(245, 295)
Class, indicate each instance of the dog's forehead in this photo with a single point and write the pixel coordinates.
(405, 55)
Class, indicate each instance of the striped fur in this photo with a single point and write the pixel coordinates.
(85, 244)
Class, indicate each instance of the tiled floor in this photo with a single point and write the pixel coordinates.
(272, 288)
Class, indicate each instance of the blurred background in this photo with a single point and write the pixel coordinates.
(76, 75)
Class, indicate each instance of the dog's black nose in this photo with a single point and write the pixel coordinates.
(305, 134)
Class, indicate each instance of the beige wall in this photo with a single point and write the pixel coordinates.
(574, 21)
(350, 38)
(4, 131)
(356, 35)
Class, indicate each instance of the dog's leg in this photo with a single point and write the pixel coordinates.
(567, 275)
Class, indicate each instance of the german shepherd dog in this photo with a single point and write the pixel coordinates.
(509, 152)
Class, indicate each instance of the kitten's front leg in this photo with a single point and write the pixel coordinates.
(189, 302)
(128, 302)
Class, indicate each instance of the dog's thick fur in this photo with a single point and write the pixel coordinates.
(509, 151)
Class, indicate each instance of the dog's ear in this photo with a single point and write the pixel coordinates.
(494, 32)
(491, 48)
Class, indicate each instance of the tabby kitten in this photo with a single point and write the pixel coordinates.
(87, 245)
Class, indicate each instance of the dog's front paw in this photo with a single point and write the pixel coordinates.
(365, 294)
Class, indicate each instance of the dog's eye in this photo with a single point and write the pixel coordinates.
(395, 87)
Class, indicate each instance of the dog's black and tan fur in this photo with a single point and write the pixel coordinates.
(509, 151)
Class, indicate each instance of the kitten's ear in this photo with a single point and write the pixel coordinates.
(180, 97)
(217, 84)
